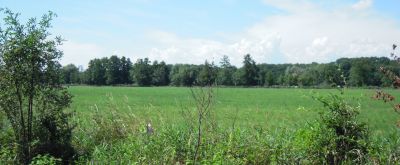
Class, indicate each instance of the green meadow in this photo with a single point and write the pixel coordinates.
(268, 108)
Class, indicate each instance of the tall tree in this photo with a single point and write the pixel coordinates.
(160, 74)
(183, 75)
(96, 72)
(174, 75)
(292, 75)
(237, 77)
(250, 71)
(31, 94)
(269, 79)
(70, 74)
(126, 66)
(361, 73)
(225, 74)
(207, 74)
(332, 75)
(142, 72)
(113, 70)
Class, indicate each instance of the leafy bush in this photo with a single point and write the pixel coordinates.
(341, 138)
(31, 94)
(7, 142)
(45, 160)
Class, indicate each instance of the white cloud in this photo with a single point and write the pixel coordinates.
(300, 35)
(322, 36)
(362, 4)
(304, 32)
(180, 50)
(80, 53)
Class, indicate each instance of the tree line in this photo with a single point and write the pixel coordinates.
(114, 70)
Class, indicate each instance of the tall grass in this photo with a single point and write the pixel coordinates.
(115, 131)
(115, 134)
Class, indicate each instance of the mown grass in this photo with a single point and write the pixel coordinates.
(246, 107)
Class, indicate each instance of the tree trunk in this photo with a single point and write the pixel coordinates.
(23, 155)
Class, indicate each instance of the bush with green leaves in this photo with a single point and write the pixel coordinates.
(45, 160)
(341, 138)
(31, 95)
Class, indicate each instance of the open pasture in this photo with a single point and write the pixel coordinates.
(246, 107)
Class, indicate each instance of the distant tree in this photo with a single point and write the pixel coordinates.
(345, 66)
(361, 73)
(113, 70)
(332, 75)
(272, 74)
(269, 79)
(292, 75)
(237, 77)
(70, 74)
(261, 76)
(207, 74)
(142, 72)
(126, 67)
(31, 94)
(356, 76)
(160, 74)
(250, 71)
(225, 73)
(310, 76)
(184, 75)
(96, 72)
(174, 75)
(189, 74)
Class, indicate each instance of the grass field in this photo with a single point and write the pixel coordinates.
(249, 107)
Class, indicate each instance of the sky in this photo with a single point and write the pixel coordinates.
(183, 31)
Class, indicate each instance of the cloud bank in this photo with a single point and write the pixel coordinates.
(304, 32)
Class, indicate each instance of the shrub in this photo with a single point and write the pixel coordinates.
(341, 137)
(31, 95)
(45, 160)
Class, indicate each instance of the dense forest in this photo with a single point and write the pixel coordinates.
(357, 72)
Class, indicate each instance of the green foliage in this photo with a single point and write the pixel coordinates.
(183, 75)
(30, 92)
(45, 160)
(207, 75)
(142, 72)
(124, 72)
(71, 74)
(225, 73)
(109, 71)
(96, 72)
(113, 69)
(342, 137)
(160, 74)
(250, 71)
(269, 79)
(292, 75)
(7, 141)
(237, 77)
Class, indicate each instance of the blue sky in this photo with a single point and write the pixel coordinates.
(179, 31)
